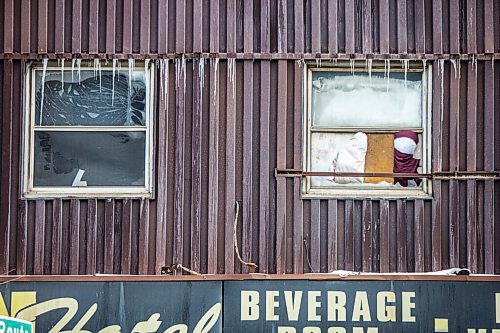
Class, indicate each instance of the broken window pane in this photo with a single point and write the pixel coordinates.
(342, 99)
(365, 153)
(106, 158)
(87, 98)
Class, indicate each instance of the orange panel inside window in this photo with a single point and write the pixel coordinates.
(380, 157)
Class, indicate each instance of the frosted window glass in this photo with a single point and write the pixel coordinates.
(347, 100)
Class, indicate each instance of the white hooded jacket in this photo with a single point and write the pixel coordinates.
(351, 158)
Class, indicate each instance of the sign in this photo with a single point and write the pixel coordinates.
(14, 325)
(113, 307)
(295, 306)
(281, 306)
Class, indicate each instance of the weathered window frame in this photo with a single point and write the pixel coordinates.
(309, 191)
(29, 191)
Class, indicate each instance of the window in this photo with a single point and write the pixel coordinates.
(88, 131)
(362, 124)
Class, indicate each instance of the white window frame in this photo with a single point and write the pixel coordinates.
(29, 191)
(425, 191)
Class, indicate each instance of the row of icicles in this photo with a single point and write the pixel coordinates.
(180, 71)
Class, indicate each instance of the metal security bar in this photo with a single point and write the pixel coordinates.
(461, 175)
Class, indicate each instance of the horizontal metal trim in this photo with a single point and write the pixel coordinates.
(460, 175)
(256, 56)
(324, 129)
(79, 128)
(250, 277)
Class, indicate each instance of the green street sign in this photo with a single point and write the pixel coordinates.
(14, 325)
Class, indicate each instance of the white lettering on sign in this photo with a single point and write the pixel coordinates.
(336, 330)
(336, 306)
(151, 325)
(407, 306)
(271, 304)
(361, 307)
(497, 307)
(292, 304)
(312, 305)
(315, 329)
(179, 328)
(385, 312)
(249, 305)
(362, 330)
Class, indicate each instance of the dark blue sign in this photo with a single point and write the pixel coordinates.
(280, 306)
(115, 306)
(294, 306)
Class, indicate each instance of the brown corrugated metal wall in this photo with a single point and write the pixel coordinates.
(220, 139)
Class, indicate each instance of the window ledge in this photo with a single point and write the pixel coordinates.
(370, 194)
(124, 194)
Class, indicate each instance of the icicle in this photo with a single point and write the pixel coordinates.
(44, 71)
(100, 74)
(113, 81)
(454, 62)
(441, 67)
(216, 73)
(231, 70)
(131, 65)
(201, 70)
(351, 62)
(96, 64)
(165, 78)
(162, 74)
(78, 68)
(180, 72)
(62, 75)
(201, 83)
(119, 70)
(369, 65)
(183, 67)
(318, 62)
(474, 63)
(387, 65)
(441, 74)
(72, 68)
(424, 63)
(405, 63)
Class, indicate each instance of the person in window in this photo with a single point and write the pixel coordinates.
(351, 158)
(405, 144)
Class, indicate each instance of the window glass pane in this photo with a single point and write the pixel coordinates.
(365, 152)
(345, 100)
(90, 99)
(105, 158)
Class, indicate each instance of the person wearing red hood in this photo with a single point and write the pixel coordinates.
(405, 143)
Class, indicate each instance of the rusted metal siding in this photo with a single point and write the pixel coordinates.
(159, 27)
(239, 117)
